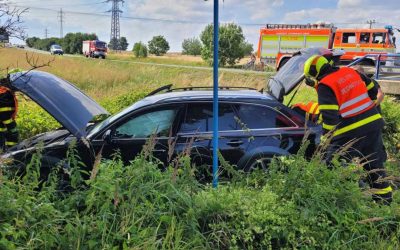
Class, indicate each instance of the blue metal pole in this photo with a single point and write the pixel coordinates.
(215, 100)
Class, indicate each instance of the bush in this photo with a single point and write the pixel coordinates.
(140, 49)
(191, 46)
(232, 46)
(298, 204)
(158, 46)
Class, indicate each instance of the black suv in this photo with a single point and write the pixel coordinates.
(253, 126)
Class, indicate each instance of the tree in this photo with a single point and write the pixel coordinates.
(158, 45)
(191, 46)
(113, 44)
(232, 46)
(247, 48)
(10, 21)
(31, 41)
(123, 43)
(72, 42)
(140, 49)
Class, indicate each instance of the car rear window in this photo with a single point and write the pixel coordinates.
(260, 117)
(199, 118)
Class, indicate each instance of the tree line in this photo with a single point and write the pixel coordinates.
(71, 42)
(232, 44)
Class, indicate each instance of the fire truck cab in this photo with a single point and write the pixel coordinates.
(278, 42)
(359, 42)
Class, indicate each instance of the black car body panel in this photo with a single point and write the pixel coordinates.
(252, 126)
(66, 103)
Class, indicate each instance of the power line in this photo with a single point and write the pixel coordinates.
(61, 19)
(148, 19)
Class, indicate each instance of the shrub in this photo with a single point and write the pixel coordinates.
(158, 46)
(140, 49)
(191, 46)
(297, 204)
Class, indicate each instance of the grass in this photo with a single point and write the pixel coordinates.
(103, 79)
(298, 204)
(170, 58)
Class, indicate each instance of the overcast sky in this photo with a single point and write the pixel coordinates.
(180, 19)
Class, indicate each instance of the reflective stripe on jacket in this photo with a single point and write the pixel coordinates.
(350, 91)
(10, 107)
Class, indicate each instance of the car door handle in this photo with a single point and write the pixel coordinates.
(235, 143)
(159, 150)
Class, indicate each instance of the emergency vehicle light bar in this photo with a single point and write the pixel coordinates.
(299, 26)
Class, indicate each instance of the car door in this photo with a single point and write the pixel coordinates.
(270, 132)
(154, 125)
(196, 131)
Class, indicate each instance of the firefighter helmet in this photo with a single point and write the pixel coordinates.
(312, 68)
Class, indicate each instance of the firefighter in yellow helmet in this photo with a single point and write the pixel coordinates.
(8, 110)
(349, 114)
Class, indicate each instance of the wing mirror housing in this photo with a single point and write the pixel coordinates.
(107, 136)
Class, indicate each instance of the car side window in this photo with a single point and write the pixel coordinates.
(199, 118)
(260, 117)
(157, 122)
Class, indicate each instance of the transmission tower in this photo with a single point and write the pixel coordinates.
(46, 33)
(61, 16)
(370, 22)
(115, 28)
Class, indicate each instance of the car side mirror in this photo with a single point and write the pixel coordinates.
(107, 136)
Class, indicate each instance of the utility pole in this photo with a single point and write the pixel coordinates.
(115, 27)
(370, 22)
(61, 19)
(46, 33)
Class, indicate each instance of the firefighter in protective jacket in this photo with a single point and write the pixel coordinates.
(349, 114)
(8, 111)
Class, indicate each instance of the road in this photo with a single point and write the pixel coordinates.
(239, 71)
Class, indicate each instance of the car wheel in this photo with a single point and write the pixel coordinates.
(260, 161)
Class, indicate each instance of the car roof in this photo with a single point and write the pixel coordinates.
(197, 95)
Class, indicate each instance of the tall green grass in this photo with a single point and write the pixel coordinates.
(297, 204)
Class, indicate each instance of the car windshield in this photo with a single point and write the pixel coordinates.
(100, 44)
(56, 47)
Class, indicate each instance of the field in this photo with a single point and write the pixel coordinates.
(298, 204)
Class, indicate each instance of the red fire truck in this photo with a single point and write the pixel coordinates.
(278, 41)
(94, 48)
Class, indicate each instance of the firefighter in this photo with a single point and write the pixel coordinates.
(350, 115)
(8, 110)
(309, 110)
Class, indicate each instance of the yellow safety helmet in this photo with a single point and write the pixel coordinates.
(312, 68)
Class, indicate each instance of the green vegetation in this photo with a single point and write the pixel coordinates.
(140, 50)
(232, 45)
(191, 46)
(158, 45)
(122, 44)
(297, 204)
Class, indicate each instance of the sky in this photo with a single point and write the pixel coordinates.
(177, 20)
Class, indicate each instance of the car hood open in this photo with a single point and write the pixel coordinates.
(65, 102)
(292, 73)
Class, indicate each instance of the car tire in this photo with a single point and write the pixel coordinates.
(259, 161)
